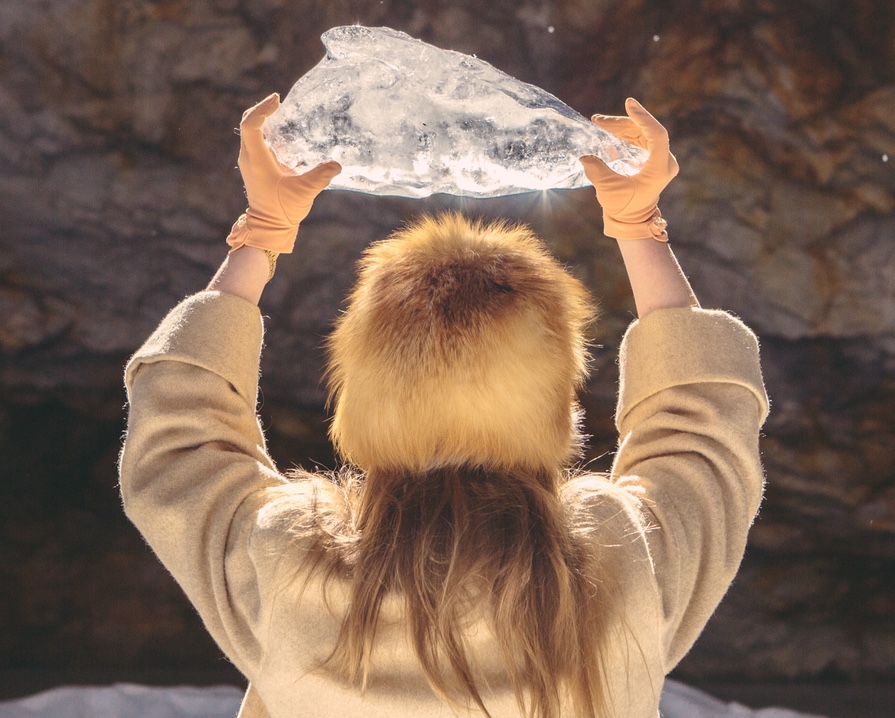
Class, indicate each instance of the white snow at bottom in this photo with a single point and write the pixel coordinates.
(125, 700)
(680, 701)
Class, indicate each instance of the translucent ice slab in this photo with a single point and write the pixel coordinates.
(406, 118)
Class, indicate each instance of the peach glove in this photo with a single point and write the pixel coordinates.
(630, 204)
(278, 198)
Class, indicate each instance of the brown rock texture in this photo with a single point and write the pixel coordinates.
(118, 184)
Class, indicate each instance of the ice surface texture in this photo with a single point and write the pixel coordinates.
(406, 118)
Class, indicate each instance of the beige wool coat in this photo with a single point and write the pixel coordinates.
(196, 480)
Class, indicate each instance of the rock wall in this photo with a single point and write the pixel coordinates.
(118, 183)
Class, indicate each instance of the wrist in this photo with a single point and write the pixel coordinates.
(653, 227)
(254, 230)
(252, 262)
(657, 280)
(244, 273)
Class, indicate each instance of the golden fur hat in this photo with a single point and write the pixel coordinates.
(463, 343)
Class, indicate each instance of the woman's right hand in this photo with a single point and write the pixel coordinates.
(630, 203)
(279, 199)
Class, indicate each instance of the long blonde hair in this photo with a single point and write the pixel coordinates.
(453, 374)
(453, 538)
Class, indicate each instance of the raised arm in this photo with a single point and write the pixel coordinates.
(691, 399)
(194, 467)
(631, 213)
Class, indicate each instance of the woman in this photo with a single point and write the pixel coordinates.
(455, 567)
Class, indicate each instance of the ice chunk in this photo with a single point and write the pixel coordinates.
(405, 118)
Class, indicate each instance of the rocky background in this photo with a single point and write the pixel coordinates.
(118, 184)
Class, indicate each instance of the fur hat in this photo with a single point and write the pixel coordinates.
(463, 343)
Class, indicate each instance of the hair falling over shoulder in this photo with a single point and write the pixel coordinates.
(449, 540)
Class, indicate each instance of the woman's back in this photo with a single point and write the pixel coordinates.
(199, 485)
(457, 565)
(306, 619)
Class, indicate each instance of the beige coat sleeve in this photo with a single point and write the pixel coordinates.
(691, 403)
(194, 462)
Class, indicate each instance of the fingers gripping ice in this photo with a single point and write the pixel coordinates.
(406, 118)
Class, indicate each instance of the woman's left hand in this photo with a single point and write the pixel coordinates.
(630, 203)
(278, 199)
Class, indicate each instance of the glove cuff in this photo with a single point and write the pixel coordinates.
(254, 231)
(653, 228)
